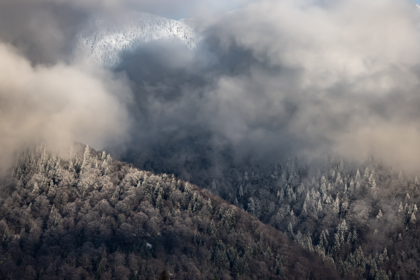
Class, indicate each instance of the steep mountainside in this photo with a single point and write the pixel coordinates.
(87, 216)
(362, 215)
(103, 40)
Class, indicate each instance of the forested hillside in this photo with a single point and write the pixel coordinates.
(360, 216)
(83, 215)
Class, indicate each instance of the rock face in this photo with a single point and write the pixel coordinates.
(103, 40)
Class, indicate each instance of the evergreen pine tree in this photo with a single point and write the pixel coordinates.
(379, 216)
(412, 218)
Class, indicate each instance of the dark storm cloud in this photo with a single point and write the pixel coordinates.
(41, 31)
(270, 78)
(47, 96)
(290, 76)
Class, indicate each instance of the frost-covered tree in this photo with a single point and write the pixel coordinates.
(379, 216)
(290, 230)
(336, 205)
(400, 176)
(357, 175)
(400, 208)
(251, 206)
(367, 173)
(413, 218)
(86, 158)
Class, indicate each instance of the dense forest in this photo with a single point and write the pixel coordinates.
(361, 217)
(80, 214)
(245, 140)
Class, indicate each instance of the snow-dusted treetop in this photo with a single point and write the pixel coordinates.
(103, 40)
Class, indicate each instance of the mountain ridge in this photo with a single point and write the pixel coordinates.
(103, 40)
(85, 215)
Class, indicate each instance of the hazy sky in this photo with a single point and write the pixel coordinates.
(305, 76)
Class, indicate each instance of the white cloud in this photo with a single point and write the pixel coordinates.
(57, 105)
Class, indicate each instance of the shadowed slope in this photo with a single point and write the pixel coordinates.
(91, 217)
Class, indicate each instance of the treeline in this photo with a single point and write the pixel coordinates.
(365, 222)
(83, 215)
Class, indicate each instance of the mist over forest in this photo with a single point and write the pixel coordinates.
(300, 115)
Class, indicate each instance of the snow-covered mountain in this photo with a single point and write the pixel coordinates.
(103, 40)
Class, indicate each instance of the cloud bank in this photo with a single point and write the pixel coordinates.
(348, 68)
(290, 77)
(271, 78)
(56, 105)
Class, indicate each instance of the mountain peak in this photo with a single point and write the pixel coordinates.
(103, 39)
